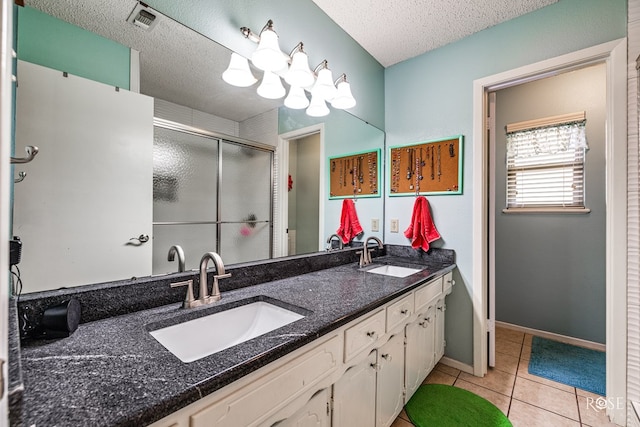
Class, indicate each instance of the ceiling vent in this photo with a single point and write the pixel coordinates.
(143, 16)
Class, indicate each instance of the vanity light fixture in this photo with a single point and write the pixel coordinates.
(324, 87)
(317, 107)
(294, 68)
(238, 73)
(343, 99)
(271, 86)
(268, 56)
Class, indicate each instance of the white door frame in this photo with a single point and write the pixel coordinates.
(614, 55)
(281, 217)
(6, 72)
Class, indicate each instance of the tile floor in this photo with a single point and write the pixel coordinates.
(528, 400)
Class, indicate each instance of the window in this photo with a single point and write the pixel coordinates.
(545, 164)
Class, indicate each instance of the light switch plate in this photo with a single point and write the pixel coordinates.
(375, 225)
(394, 226)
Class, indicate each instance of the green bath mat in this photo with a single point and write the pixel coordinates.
(437, 405)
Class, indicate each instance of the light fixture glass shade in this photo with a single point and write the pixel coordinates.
(343, 98)
(271, 86)
(324, 85)
(296, 99)
(238, 72)
(299, 73)
(317, 107)
(268, 56)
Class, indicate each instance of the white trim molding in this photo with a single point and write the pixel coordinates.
(613, 54)
(281, 208)
(556, 337)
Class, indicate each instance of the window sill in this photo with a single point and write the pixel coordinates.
(554, 210)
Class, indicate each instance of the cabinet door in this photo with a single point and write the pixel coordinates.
(420, 350)
(314, 414)
(354, 395)
(390, 385)
(440, 343)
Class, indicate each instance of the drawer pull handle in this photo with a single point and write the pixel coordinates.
(452, 281)
(375, 366)
(371, 334)
(386, 357)
(404, 312)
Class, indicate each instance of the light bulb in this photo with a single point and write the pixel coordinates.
(324, 85)
(296, 99)
(299, 73)
(271, 86)
(344, 98)
(238, 72)
(268, 56)
(317, 107)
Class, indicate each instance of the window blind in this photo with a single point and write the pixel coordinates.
(545, 166)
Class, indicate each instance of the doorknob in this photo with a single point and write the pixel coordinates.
(137, 241)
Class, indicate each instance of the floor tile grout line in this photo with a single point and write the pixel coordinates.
(548, 410)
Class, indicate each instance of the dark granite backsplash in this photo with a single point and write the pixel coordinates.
(104, 300)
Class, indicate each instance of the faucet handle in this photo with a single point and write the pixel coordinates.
(189, 298)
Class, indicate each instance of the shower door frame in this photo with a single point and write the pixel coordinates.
(220, 137)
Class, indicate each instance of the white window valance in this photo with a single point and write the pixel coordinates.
(545, 165)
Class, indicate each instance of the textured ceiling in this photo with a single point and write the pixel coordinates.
(184, 67)
(395, 30)
(176, 63)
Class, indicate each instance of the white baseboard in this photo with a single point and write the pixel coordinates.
(457, 365)
(552, 336)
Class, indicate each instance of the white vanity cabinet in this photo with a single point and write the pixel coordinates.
(360, 375)
(390, 381)
(420, 351)
(315, 413)
(354, 394)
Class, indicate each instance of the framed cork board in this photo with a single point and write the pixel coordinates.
(355, 175)
(432, 167)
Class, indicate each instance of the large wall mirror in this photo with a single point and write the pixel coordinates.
(180, 73)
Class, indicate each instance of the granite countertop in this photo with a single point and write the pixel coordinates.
(112, 372)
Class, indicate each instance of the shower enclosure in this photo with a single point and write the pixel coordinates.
(210, 193)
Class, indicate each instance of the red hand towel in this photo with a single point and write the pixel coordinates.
(422, 230)
(349, 224)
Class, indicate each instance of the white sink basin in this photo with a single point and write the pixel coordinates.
(394, 270)
(197, 338)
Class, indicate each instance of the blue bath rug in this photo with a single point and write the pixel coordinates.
(567, 364)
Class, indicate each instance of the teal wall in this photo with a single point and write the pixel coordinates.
(294, 21)
(430, 97)
(48, 41)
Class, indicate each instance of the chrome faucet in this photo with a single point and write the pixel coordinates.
(173, 250)
(204, 297)
(330, 244)
(365, 253)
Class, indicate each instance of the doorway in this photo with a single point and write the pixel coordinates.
(304, 194)
(613, 54)
(546, 254)
(308, 148)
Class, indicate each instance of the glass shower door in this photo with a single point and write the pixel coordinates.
(185, 176)
(245, 203)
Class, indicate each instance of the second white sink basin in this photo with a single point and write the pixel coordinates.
(394, 270)
(197, 338)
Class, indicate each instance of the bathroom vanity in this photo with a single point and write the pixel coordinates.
(363, 345)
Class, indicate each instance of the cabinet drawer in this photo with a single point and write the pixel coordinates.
(428, 292)
(448, 283)
(247, 406)
(399, 312)
(363, 334)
